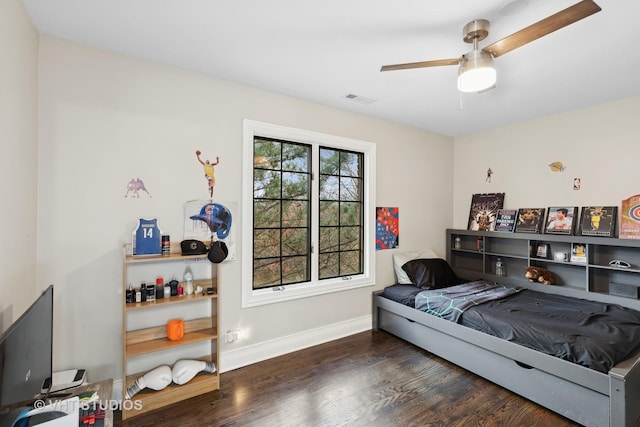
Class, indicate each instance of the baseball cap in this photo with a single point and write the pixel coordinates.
(218, 252)
(193, 247)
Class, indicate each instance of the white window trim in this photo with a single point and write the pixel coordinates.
(251, 297)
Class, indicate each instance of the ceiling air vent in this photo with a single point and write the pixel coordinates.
(360, 99)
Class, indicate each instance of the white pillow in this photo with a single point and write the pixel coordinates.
(401, 258)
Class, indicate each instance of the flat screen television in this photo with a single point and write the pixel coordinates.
(26, 352)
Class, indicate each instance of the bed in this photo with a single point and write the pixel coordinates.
(593, 381)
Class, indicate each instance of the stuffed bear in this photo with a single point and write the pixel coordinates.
(539, 274)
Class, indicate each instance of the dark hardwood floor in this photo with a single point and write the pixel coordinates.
(368, 379)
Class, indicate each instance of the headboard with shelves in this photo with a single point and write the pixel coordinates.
(473, 255)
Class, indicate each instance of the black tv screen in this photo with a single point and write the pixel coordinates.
(26, 349)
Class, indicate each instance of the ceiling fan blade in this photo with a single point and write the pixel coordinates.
(423, 64)
(541, 28)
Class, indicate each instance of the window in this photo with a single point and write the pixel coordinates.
(341, 224)
(281, 212)
(308, 213)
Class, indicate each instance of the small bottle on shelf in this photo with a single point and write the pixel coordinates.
(159, 287)
(500, 268)
(173, 284)
(166, 245)
(480, 244)
(143, 292)
(188, 281)
(151, 292)
(131, 294)
(457, 243)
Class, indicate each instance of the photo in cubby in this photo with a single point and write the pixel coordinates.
(542, 250)
(578, 253)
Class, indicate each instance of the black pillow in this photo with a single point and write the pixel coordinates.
(431, 273)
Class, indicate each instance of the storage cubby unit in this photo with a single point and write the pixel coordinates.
(144, 336)
(474, 255)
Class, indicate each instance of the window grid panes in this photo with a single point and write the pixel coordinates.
(341, 213)
(281, 213)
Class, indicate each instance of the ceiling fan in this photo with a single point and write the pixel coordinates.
(476, 72)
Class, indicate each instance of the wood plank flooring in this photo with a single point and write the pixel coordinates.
(368, 379)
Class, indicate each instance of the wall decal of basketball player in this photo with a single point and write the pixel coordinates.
(208, 171)
(134, 187)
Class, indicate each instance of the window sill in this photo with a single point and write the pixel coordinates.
(254, 298)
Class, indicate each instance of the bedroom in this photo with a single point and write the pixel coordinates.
(69, 95)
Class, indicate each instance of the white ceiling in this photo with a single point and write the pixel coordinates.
(324, 50)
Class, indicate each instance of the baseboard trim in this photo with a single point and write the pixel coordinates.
(248, 355)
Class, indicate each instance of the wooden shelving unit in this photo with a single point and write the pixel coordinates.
(138, 343)
(593, 279)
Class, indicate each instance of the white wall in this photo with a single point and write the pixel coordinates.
(600, 145)
(18, 162)
(105, 119)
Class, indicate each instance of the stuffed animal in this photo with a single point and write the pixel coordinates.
(539, 274)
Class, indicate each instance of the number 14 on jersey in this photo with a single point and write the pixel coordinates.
(147, 237)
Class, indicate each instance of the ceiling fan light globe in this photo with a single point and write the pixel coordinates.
(476, 72)
(477, 80)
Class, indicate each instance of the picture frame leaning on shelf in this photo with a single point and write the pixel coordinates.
(506, 220)
(561, 220)
(598, 221)
(484, 207)
(529, 220)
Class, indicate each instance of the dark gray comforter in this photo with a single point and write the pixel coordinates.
(592, 334)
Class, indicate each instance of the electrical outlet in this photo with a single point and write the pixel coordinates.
(232, 336)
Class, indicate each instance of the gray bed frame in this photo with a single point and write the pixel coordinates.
(581, 394)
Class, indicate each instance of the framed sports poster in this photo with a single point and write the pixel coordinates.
(484, 208)
(506, 220)
(529, 220)
(561, 220)
(630, 218)
(598, 221)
